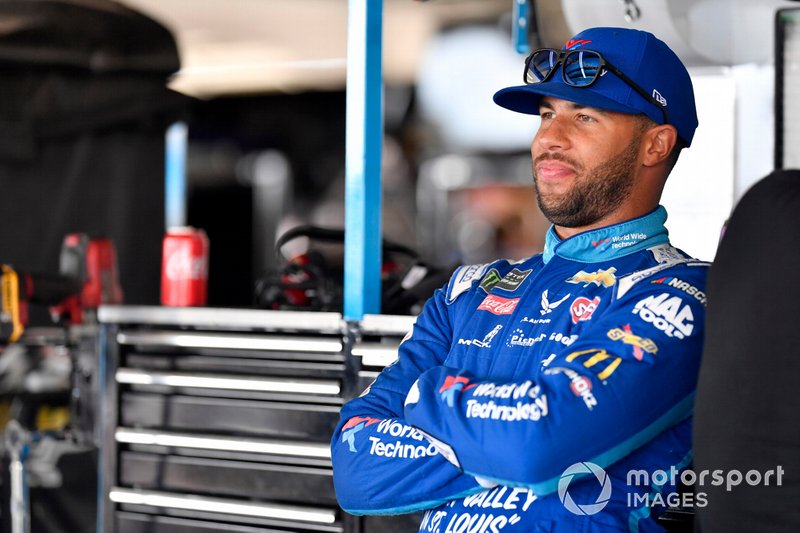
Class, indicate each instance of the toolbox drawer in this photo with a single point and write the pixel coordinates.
(221, 419)
(228, 416)
(200, 475)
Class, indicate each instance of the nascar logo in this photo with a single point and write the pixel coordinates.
(684, 286)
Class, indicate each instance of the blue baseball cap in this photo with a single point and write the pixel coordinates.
(642, 57)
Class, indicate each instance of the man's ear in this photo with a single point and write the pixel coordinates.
(658, 144)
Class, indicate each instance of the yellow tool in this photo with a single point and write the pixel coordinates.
(11, 321)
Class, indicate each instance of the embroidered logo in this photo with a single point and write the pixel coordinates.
(605, 278)
(490, 280)
(513, 280)
(583, 308)
(547, 306)
(640, 344)
(498, 305)
(353, 426)
(575, 43)
(487, 340)
(453, 385)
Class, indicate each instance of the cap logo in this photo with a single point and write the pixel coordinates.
(658, 96)
(575, 43)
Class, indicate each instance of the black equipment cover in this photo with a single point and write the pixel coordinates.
(83, 112)
(746, 411)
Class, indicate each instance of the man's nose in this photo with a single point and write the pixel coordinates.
(552, 135)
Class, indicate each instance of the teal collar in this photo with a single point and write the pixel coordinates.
(610, 242)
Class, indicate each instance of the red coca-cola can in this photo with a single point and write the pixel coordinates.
(184, 268)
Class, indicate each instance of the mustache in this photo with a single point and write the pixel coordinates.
(556, 157)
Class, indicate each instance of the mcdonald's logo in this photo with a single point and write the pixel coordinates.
(597, 356)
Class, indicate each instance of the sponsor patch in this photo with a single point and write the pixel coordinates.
(518, 338)
(486, 342)
(490, 280)
(566, 340)
(640, 344)
(668, 313)
(594, 357)
(628, 239)
(453, 385)
(684, 286)
(665, 253)
(547, 305)
(605, 278)
(399, 441)
(518, 412)
(626, 283)
(513, 279)
(530, 320)
(463, 278)
(583, 308)
(352, 427)
(529, 403)
(498, 305)
(581, 386)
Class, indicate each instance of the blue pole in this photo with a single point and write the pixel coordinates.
(175, 172)
(519, 28)
(363, 145)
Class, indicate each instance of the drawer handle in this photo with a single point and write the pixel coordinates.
(228, 444)
(230, 341)
(192, 502)
(132, 376)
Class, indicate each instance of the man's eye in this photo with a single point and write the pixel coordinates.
(585, 118)
(546, 115)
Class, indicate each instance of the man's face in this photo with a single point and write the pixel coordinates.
(584, 162)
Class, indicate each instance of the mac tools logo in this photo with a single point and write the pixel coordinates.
(667, 313)
(584, 509)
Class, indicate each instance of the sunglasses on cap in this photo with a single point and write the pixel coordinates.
(579, 68)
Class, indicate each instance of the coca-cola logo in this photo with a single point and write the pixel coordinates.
(498, 305)
(181, 264)
(583, 308)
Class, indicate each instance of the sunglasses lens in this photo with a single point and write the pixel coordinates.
(581, 68)
(540, 65)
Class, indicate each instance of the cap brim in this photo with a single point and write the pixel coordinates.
(526, 98)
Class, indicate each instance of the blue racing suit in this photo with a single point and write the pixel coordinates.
(550, 394)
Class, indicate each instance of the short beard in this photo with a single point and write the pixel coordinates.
(595, 194)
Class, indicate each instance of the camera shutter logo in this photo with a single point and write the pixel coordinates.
(586, 509)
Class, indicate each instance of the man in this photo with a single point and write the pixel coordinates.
(527, 393)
